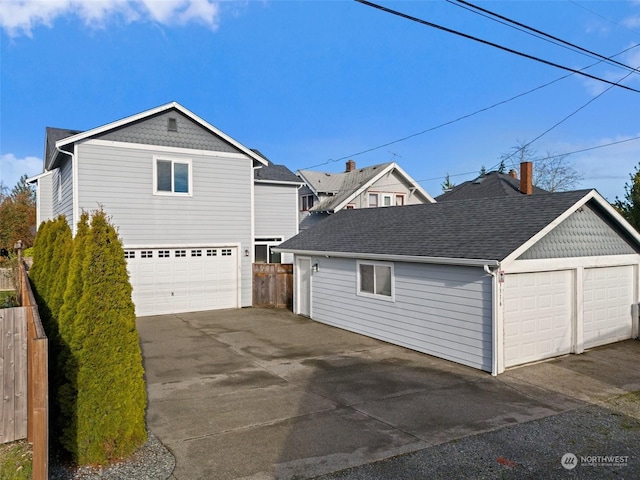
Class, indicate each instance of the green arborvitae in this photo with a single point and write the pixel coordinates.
(67, 362)
(629, 206)
(40, 257)
(111, 394)
(59, 266)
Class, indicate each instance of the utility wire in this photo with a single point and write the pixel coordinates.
(603, 17)
(476, 9)
(495, 45)
(563, 120)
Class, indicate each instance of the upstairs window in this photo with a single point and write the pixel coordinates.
(172, 177)
(399, 199)
(307, 202)
(373, 200)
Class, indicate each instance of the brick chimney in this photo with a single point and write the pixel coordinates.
(513, 174)
(526, 178)
(351, 166)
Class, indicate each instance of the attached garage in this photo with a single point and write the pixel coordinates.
(491, 283)
(183, 279)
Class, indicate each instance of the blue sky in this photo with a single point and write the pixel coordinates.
(312, 83)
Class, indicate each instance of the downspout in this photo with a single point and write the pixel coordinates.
(497, 333)
(74, 187)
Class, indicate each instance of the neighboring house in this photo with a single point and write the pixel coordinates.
(192, 205)
(382, 185)
(489, 283)
(495, 184)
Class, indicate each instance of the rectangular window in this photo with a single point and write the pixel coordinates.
(146, 254)
(225, 252)
(172, 176)
(129, 254)
(376, 280)
(212, 252)
(307, 202)
(386, 200)
(399, 200)
(163, 254)
(180, 253)
(373, 200)
(196, 253)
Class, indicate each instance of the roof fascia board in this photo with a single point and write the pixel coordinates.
(570, 263)
(410, 179)
(139, 116)
(280, 182)
(306, 182)
(472, 262)
(35, 178)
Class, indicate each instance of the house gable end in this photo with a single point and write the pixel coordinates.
(585, 233)
(158, 130)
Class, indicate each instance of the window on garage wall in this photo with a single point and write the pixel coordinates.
(376, 279)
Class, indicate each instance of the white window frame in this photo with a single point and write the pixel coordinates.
(306, 204)
(385, 197)
(173, 161)
(377, 196)
(360, 293)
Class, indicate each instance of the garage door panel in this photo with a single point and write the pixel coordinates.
(608, 296)
(538, 316)
(183, 280)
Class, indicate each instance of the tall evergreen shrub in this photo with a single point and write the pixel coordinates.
(67, 362)
(111, 395)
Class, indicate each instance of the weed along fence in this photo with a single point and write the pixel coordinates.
(273, 285)
(6, 281)
(24, 365)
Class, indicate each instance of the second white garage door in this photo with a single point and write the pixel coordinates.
(608, 295)
(537, 316)
(174, 280)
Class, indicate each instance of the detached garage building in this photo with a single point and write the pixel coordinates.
(490, 283)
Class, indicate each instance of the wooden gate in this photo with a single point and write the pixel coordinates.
(273, 285)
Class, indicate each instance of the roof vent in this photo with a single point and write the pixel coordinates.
(172, 125)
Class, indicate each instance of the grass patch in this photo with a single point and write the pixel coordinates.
(16, 461)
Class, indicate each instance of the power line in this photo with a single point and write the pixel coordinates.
(537, 33)
(603, 17)
(564, 119)
(495, 45)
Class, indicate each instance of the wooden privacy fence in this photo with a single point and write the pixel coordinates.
(13, 366)
(273, 285)
(25, 383)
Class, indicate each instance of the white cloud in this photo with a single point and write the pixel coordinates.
(20, 17)
(12, 168)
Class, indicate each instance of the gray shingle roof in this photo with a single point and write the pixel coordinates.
(276, 173)
(487, 229)
(52, 136)
(341, 185)
(492, 184)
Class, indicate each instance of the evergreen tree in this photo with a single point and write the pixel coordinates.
(111, 395)
(68, 367)
(629, 207)
(447, 185)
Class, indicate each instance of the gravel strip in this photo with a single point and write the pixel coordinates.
(151, 462)
(530, 450)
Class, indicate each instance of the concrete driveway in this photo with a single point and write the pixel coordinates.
(258, 393)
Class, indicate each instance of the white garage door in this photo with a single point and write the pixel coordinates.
(537, 316)
(608, 295)
(174, 280)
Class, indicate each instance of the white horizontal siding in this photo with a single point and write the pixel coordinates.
(120, 178)
(63, 202)
(45, 198)
(444, 311)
